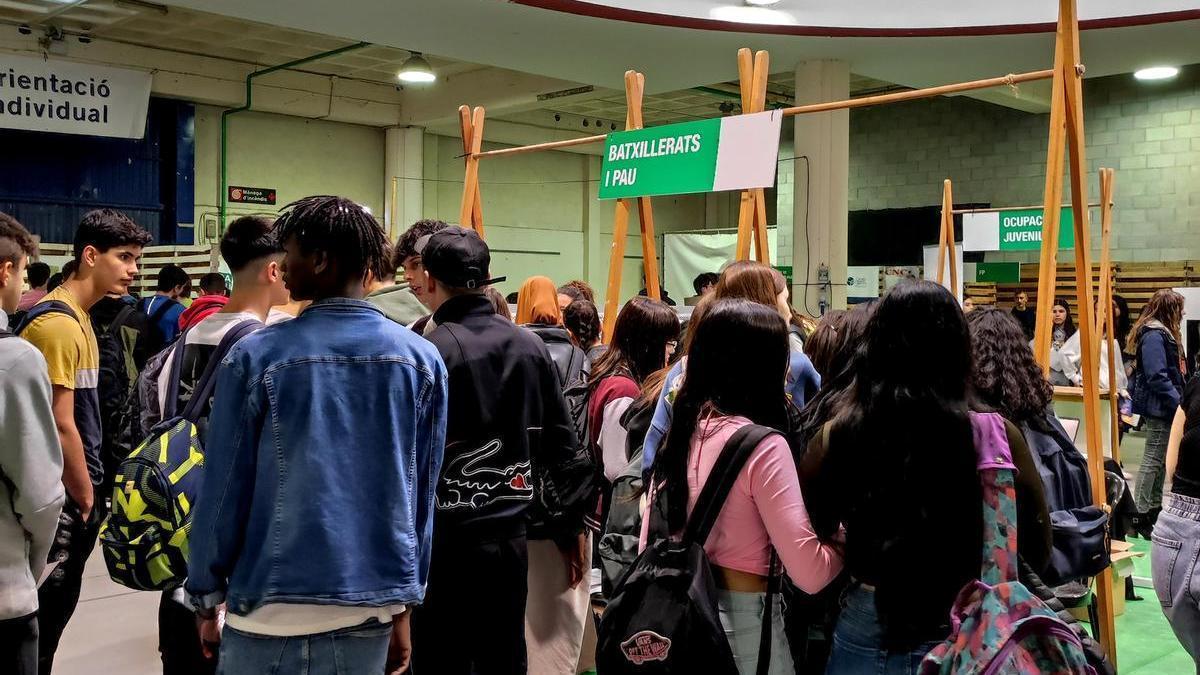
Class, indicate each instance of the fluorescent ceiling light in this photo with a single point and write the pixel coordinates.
(761, 3)
(1156, 73)
(750, 14)
(416, 69)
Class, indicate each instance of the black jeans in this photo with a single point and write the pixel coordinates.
(473, 618)
(179, 640)
(19, 645)
(73, 543)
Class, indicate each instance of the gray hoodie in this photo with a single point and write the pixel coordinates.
(31, 464)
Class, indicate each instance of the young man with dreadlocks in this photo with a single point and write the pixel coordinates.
(314, 520)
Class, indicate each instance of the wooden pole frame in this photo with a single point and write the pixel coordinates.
(471, 213)
(1106, 322)
(635, 84)
(946, 241)
(752, 213)
(1066, 135)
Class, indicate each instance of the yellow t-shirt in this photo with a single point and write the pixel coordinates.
(73, 360)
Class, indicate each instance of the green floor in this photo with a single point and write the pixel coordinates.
(1145, 643)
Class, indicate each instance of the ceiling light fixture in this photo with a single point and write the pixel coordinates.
(761, 3)
(1156, 73)
(416, 70)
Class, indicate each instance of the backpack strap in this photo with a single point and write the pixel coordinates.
(996, 474)
(41, 308)
(121, 317)
(175, 369)
(729, 465)
(161, 311)
(208, 379)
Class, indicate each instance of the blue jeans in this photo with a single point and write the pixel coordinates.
(358, 650)
(858, 641)
(1147, 493)
(742, 617)
(1173, 563)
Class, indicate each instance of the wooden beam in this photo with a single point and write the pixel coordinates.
(468, 139)
(1072, 79)
(1051, 212)
(928, 92)
(468, 215)
(1107, 185)
(752, 211)
(946, 250)
(645, 209)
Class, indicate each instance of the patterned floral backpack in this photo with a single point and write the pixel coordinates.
(999, 626)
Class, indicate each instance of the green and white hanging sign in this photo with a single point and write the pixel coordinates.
(726, 153)
(1013, 230)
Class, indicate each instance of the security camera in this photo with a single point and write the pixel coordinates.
(24, 29)
(85, 39)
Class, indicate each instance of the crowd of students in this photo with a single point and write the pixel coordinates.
(403, 475)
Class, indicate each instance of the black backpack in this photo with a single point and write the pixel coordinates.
(118, 371)
(156, 340)
(663, 616)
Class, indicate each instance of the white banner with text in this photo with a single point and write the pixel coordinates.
(72, 98)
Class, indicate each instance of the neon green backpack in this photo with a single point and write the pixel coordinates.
(145, 538)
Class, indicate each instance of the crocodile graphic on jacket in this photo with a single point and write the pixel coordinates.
(470, 483)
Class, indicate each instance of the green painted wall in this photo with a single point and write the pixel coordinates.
(296, 156)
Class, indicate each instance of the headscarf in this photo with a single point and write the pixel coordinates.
(537, 302)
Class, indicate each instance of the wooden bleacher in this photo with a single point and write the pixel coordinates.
(195, 260)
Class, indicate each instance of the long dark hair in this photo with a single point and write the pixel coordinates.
(639, 341)
(902, 457)
(1165, 306)
(1123, 323)
(1069, 324)
(837, 357)
(1006, 377)
(737, 365)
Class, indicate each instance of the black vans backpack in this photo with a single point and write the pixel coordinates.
(663, 616)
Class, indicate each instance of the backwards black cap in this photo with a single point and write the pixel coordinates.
(457, 257)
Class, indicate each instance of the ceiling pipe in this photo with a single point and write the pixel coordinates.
(223, 198)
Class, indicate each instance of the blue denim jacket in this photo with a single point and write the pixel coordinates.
(323, 451)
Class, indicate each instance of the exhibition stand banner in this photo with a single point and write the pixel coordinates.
(862, 282)
(686, 255)
(930, 268)
(1013, 230)
(727, 153)
(72, 98)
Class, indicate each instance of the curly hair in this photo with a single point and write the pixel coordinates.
(406, 246)
(1006, 377)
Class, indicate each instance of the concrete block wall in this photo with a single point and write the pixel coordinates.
(1148, 132)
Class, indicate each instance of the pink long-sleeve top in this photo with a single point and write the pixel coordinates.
(764, 507)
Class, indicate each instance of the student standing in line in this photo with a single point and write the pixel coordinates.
(1026, 315)
(395, 300)
(645, 337)
(1176, 544)
(39, 277)
(765, 509)
(1157, 390)
(163, 308)
(213, 296)
(253, 255)
(508, 430)
(31, 496)
(899, 466)
(705, 283)
(746, 280)
(499, 303)
(557, 608)
(313, 522)
(573, 291)
(538, 312)
(582, 321)
(409, 259)
(106, 248)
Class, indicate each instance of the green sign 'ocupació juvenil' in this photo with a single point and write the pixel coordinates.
(729, 153)
(1013, 230)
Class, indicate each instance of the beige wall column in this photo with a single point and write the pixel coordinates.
(404, 161)
(822, 178)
